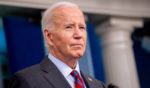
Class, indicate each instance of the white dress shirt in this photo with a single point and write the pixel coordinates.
(65, 69)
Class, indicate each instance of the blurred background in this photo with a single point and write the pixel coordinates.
(118, 46)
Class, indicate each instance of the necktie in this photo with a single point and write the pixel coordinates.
(79, 83)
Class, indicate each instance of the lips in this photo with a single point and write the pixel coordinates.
(77, 44)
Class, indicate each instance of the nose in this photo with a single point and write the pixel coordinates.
(77, 33)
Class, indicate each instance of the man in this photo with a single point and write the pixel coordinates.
(64, 29)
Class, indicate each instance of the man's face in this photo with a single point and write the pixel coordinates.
(68, 39)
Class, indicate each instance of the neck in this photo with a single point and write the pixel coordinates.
(71, 62)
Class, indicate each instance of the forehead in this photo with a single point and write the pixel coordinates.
(68, 13)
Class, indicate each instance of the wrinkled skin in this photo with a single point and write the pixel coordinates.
(68, 38)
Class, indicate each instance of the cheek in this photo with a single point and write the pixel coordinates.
(63, 39)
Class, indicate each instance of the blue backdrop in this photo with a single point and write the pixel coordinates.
(24, 42)
(96, 52)
(143, 64)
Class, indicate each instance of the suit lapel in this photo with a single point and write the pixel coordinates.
(88, 81)
(53, 75)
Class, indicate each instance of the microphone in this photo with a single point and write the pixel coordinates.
(112, 86)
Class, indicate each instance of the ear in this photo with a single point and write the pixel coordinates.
(48, 37)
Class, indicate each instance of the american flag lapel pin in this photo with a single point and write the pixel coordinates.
(90, 79)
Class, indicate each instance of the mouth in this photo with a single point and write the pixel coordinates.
(79, 45)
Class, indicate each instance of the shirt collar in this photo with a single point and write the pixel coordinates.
(63, 68)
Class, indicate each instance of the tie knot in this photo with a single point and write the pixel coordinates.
(74, 73)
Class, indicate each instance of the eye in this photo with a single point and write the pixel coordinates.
(68, 27)
(82, 27)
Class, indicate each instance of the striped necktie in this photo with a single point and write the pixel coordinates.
(79, 83)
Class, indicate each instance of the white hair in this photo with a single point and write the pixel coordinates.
(47, 21)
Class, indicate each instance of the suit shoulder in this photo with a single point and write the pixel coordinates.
(29, 71)
(24, 78)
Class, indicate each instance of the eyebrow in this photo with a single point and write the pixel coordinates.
(72, 23)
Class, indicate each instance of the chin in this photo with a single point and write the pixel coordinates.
(78, 55)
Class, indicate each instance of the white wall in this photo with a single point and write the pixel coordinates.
(132, 8)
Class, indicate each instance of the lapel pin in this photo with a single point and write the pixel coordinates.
(90, 79)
